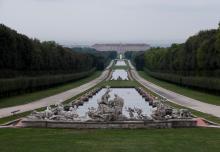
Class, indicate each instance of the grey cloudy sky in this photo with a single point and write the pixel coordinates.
(91, 21)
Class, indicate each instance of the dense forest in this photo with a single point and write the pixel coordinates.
(28, 64)
(101, 59)
(137, 58)
(195, 63)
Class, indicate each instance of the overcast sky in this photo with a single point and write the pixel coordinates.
(107, 21)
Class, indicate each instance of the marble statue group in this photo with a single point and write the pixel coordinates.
(109, 110)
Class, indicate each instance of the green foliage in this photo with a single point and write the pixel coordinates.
(28, 64)
(137, 58)
(37, 95)
(195, 63)
(203, 96)
(28, 84)
(21, 56)
(203, 83)
(120, 83)
(199, 56)
(101, 59)
(129, 54)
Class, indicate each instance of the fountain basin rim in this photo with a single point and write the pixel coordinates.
(172, 123)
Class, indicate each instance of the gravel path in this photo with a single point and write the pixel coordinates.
(58, 98)
(175, 97)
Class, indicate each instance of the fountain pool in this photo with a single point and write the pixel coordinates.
(119, 73)
(131, 98)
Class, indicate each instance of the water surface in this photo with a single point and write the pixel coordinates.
(131, 99)
(119, 73)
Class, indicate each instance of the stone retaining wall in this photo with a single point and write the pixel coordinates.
(116, 124)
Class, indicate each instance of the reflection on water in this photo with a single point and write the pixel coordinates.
(131, 99)
(119, 73)
(120, 63)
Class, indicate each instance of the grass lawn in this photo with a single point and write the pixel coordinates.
(149, 140)
(192, 93)
(119, 83)
(29, 97)
(120, 67)
(197, 113)
(125, 67)
(14, 117)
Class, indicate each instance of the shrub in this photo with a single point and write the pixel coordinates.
(27, 84)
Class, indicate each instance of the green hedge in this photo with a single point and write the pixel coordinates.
(205, 83)
(28, 84)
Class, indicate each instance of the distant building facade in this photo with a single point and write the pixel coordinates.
(121, 47)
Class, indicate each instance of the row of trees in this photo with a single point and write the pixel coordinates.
(20, 55)
(195, 63)
(137, 58)
(29, 84)
(28, 64)
(101, 59)
(198, 56)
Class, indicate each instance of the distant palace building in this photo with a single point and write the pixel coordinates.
(121, 47)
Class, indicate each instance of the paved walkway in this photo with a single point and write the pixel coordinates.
(110, 65)
(175, 97)
(58, 98)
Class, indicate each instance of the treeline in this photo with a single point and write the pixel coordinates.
(21, 85)
(28, 64)
(101, 59)
(20, 55)
(198, 56)
(199, 82)
(195, 63)
(137, 58)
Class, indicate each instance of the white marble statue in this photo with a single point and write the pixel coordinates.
(108, 110)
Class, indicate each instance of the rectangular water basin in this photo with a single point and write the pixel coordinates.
(131, 99)
(119, 73)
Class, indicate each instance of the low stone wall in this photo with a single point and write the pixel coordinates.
(180, 123)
